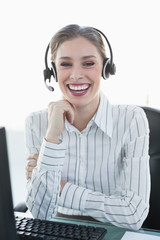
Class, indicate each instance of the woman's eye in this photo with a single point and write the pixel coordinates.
(65, 64)
(88, 64)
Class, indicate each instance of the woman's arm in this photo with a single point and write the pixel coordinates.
(129, 205)
(44, 186)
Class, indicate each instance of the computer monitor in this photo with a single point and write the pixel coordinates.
(7, 220)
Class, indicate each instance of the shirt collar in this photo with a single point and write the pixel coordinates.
(69, 127)
(102, 118)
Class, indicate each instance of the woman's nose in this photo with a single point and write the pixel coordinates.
(76, 73)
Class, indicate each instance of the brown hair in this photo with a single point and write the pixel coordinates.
(73, 31)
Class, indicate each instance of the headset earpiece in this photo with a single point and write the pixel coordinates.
(105, 70)
(54, 72)
(47, 74)
(50, 72)
(108, 68)
(112, 69)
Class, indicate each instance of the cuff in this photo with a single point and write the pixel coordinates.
(73, 197)
(51, 156)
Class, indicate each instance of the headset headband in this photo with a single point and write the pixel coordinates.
(108, 43)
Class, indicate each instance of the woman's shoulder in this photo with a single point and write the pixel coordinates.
(128, 113)
(37, 116)
(122, 108)
(129, 108)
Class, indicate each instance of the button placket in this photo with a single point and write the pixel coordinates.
(82, 160)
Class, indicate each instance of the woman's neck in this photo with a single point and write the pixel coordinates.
(84, 114)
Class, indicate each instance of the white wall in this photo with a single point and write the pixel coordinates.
(17, 163)
(27, 26)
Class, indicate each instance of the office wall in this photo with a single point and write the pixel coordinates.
(17, 163)
(27, 26)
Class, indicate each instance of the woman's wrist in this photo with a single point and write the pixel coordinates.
(52, 140)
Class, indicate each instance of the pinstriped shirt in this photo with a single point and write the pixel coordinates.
(105, 167)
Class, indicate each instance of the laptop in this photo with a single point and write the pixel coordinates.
(17, 228)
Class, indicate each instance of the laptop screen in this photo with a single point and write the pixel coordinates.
(7, 222)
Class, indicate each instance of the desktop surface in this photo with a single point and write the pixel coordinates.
(113, 232)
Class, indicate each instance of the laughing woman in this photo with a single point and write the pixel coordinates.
(85, 156)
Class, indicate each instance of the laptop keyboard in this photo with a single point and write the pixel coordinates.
(36, 229)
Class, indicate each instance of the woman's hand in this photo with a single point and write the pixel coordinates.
(32, 163)
(62, 186)
(57, 111)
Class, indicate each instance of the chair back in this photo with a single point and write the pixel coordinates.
(153, 219)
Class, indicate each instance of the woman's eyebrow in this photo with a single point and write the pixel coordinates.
(83, 58)
(89, 56)
(67, 58)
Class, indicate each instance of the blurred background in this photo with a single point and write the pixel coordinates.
(27, 26)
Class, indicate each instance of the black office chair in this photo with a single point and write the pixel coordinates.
(21, 207)
(153, 219)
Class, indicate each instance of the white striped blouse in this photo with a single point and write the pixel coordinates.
(105, 167)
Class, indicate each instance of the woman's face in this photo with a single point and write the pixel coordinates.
(79, 67)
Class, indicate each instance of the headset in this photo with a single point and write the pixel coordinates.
(109, 67)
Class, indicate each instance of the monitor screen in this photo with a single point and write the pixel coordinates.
(7, 223)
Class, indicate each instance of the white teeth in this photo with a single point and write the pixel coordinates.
(78, 88)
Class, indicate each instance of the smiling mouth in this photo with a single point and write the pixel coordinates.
(79, 89)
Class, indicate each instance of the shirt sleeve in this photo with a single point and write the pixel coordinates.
(44, 186)
(129, 205)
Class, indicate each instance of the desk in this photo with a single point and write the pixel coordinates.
(113, 232)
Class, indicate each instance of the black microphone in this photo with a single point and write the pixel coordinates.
(50, 88)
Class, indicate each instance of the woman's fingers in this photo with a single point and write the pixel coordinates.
(57, 111)
(31, 164)
(29, 169)
(33, 156)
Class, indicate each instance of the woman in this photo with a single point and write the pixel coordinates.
(91, 157)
